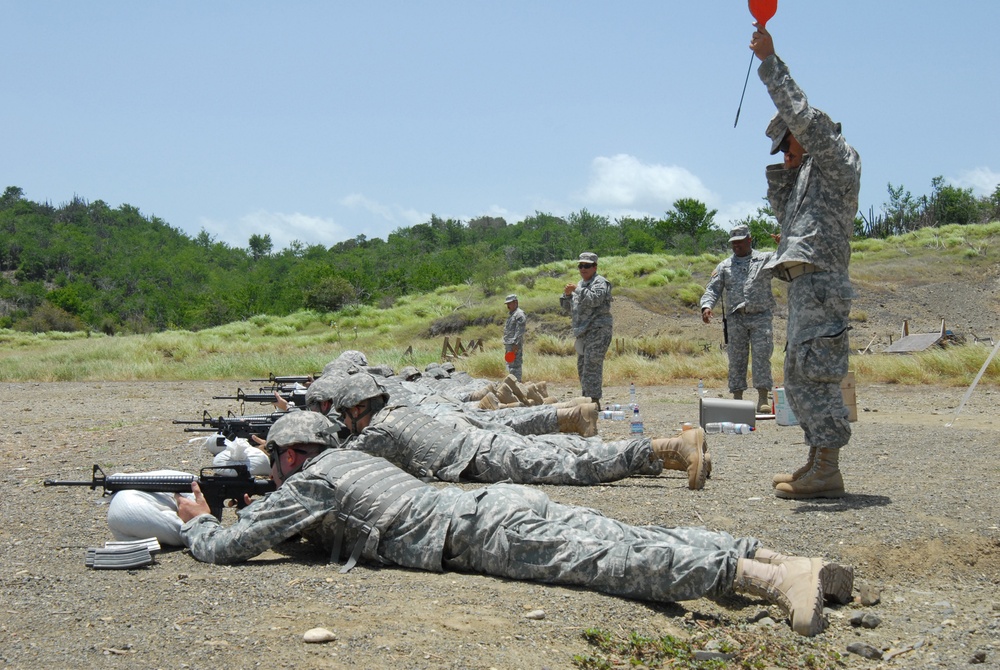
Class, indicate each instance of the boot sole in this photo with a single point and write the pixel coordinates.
(789, 495)
(697, 482)
(837, 582)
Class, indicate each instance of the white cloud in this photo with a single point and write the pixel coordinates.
(982, 180)
(622, 181)
(283, 229)
(393, 214)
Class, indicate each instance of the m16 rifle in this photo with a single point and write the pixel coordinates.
(288, 379)
(217, 488)
(294, 397)
(232, 426)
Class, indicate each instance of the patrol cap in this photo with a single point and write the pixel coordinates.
(303, 428)
(511, 298)
(739, 233)
(448, 366)
(588, 257)
(777, 130)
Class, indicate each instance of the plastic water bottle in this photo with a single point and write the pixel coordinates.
(631, 396)
(636, 427)
(728, 427)
(701, 388)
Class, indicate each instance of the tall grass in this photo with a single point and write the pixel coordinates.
(398, 335)
(301, 345)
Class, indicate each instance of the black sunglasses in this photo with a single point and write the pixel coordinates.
(582, 266)
(784, 146)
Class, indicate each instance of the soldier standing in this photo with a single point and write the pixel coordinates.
(746, 286)
(589, 304)
(814, 195)
(513, 335)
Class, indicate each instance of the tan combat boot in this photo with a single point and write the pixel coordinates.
(541, 387)
(489, 402)
(763, 404)
(837, 579)
(785, 477)
(686, 452)
(822, 481)
(479, 394)
(573, 402)
(510, 381)
(534, 397)
(506, 396)
(793, 585)
(581, 419)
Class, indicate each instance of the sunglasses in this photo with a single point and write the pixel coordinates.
(583, 266)
(784, 146)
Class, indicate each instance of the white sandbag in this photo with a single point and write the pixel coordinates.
(136, 515)
(213, 444)
(240, 451)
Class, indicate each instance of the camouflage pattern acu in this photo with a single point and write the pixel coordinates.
(303, 428)
(745, 281)
(453, 451)
(750, 333)
(513, 339)
(815, 205)
(338, 502)
(746, 285)
(410, 373)
(347, 502)
(518, 533)
(590, 309)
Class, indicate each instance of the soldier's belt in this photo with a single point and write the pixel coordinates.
(793, 270)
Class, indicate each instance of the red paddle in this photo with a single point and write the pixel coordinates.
(762, 10)
(509, 356)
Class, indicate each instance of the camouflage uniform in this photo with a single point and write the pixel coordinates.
(513, 337)
(749, 318)
(359, 507)
(449, 451)
(815, 205)
(590, 307)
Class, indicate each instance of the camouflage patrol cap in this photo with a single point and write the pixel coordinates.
(303, 428)
(511, 298)
(588, 257)
(777, 130)
(448, 366)
(739, 233)
(352, 390)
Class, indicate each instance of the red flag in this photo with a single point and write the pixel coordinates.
(763, 10)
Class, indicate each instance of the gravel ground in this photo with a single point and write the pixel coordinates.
(920, 525)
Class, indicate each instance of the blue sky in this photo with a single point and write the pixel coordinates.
(322, 121)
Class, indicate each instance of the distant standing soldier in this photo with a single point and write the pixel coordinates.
(513, 335)
(746, 286)
(589, 303)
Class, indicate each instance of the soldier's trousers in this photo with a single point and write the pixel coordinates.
(561, 459)
(590, 352)
(751, 336)
(816, 358)
(514, 368)
(518, 533)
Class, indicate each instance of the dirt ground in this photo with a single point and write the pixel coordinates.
(920, 525)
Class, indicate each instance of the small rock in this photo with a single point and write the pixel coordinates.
(870, 620)
(865, 651)
(978, 657)
(535, 614)
(316, 635)
(868, 595)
